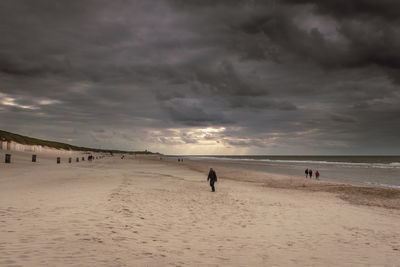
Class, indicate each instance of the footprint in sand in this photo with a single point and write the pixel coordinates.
(93, 239)
(6, 262)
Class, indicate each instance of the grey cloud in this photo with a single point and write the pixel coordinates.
(188, 139)
(261, 103)
(226, 81)
(245, 143)
(360, 9)
(193, 113)
(342, 118)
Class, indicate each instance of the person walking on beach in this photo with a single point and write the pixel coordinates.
(310, 173)
(317, 175)
(212, 177)
(306, 172)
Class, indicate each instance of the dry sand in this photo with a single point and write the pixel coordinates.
(137, 212)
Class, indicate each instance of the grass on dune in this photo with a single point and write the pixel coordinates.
(25, 140)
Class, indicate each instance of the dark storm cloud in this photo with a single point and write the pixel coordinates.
(267, 76)
(359, 43)
(193, 114)
(386, 9)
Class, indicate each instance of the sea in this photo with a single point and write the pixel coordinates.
(383, 171)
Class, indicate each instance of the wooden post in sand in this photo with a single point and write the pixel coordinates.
(8, 158)
(33, 158)
(70, 160)
(58, 160)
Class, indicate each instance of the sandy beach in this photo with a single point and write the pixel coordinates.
(149, 212)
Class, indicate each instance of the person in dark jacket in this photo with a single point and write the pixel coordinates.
(212, 177)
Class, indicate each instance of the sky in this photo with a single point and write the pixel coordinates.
(272, 77)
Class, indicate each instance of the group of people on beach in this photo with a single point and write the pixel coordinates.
(212, 176)
(309, 173)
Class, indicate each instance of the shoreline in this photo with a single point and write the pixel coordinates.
(369, 195)
(355, 175)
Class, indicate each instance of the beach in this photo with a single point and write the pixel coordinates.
(143, 211)
(381, 171)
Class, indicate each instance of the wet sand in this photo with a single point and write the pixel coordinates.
(141, 212)
(357, 194)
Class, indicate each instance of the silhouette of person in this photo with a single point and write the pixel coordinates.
(212, 177)
(306, 172)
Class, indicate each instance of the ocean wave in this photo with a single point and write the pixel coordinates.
(383, 185)
(392, 165)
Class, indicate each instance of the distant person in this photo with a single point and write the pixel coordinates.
(310, 173)
(212, 177)
(317, 175)
(306, 172)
